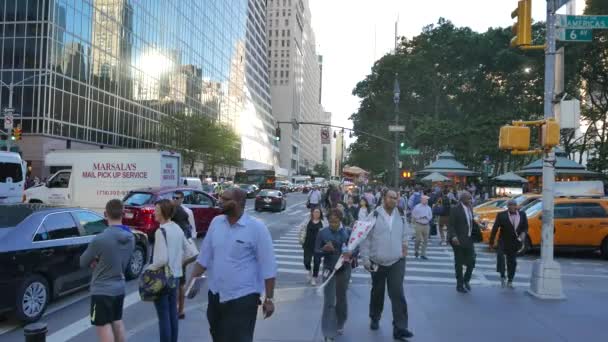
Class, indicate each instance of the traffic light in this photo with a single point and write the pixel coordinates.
(514, 138)
(522, 29)
(277, 134)
(402, 145)
(17, 133)
(550, 134)
(406, 174)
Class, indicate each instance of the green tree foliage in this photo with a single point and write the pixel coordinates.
(322, 170)
(457, 88)
(200, 139)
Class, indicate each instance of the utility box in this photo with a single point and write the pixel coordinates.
(568, 114)
(550, 134)
(514, 138)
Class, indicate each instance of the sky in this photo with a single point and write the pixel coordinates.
(352, 34)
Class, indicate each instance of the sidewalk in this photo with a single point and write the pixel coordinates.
(437, 313)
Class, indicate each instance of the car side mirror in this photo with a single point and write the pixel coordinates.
(540, 217)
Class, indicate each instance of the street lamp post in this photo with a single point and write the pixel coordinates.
(11, 89)
(546, 280)
(396, 97)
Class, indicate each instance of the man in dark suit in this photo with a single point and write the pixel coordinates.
(461, 227)
(513, 226)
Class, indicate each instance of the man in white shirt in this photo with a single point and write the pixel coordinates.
(421, 217)
(314, 198)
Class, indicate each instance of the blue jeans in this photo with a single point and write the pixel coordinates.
(166, 311)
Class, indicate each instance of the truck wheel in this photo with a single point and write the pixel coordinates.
(35, 201)
(136, 263)
(605, 248)
(32, 298)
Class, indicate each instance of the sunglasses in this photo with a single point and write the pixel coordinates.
(177, 198)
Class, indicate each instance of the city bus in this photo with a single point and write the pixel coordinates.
(264, 179)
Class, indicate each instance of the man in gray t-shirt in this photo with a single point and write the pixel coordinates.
(108, 255)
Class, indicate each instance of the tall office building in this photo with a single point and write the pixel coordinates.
(295, 77)
(105, 73)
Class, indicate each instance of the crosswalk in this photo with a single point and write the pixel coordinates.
(438, 269)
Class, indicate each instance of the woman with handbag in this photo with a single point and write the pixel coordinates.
(308, 236)
(169, 249)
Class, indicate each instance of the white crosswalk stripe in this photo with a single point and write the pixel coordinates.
(438, 269)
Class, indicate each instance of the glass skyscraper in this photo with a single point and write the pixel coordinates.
(106, 72)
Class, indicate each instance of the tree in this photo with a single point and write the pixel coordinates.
(321, 170)
(201, 139)
(457, 88)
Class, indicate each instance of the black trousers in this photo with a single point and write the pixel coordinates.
(464, 256)
(309, 256)
(234, 320)
(391, 277)
(510, 259)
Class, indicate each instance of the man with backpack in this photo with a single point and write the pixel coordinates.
(383, 253)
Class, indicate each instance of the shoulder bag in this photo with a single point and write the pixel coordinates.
(153, 283)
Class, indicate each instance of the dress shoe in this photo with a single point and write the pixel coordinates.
(402, 335)
(374, 325)
(461, 289)
(467, 286)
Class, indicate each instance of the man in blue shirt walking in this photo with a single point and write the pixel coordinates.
(238, 256)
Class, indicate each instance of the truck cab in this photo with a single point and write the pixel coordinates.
(56, 191)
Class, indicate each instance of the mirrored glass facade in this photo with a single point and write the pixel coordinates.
(105, 72)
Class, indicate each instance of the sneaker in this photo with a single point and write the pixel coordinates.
(313, 282)
(424, 257)
(329, 339)
(467, 286)
(309, 276)
(402, 335)
(510, 284)
(340, 331)
(503, 282)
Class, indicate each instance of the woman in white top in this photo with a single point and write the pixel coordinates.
(168, 252)
(364, 209)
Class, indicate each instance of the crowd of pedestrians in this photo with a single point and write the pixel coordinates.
(237, 257)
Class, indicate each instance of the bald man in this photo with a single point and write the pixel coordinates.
(238, 255)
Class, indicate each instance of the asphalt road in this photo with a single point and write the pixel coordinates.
(68, 318)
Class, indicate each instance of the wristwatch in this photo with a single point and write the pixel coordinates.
(268, 299)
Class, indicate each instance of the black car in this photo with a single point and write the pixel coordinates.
(250, 189)
(40, 249)
(270, 199)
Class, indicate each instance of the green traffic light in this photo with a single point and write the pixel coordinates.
(12, 138)
(402, 144)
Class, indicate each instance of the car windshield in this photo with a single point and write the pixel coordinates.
(268, 193)
(12, 215)
(520, 199)
(138, 198)
(245, 186)
(208, 188)
(534, 208)
(529, 205)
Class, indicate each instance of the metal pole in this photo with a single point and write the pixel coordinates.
(10, 105)
(396, 97)
(546, 280)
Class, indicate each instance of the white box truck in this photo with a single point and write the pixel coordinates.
(12, 177)
(93, 177)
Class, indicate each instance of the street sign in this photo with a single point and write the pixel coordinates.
(325, 136)
(574, 35)
(8, 121)
(561, 3)
(582, 21)
(410, 152)
(396, 128)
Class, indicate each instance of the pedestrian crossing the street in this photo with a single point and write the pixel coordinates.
(438, 269)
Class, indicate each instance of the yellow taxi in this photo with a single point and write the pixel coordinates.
(484, 218)
(490, 205)
(581, 223)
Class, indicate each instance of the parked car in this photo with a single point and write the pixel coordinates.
(139, 208)
(270, 199)
(251, 189)
(40, 248)
(282, 186)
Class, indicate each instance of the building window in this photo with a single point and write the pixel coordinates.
(269, 43)
(275, 73)
(282, 42)
(286, 22)
(287, 73)
(282, 33)
(281, 73)
(287, 42)
(288, 33)
(294, 150)
(284, 12)
(282, 54)
(269, 33)
(294, 164)
(276, 33)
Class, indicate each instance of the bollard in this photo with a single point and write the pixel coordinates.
(35, 332)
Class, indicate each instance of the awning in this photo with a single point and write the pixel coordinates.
(510, 177)
(435, 177)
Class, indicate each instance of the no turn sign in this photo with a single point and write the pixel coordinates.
(325, 135)
(8, 122)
